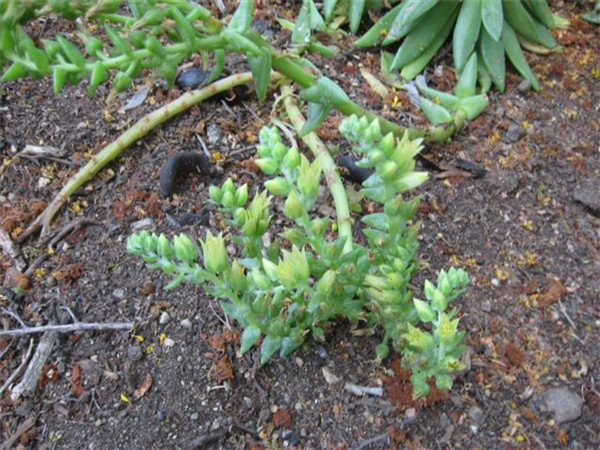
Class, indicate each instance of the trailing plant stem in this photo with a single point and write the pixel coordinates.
(320, 151)
(137, 131)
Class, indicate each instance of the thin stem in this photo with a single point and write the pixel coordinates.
(332, 177)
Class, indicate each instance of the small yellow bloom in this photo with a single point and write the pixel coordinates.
(124, 398)
(161, 338)
(138, 338)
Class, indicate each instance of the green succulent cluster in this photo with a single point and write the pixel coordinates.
(285, 290)
(489, 29)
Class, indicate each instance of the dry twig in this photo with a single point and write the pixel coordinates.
(17, 372)
(80, 326)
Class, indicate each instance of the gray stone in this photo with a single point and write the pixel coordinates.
(565, 405)
(476, 414)
(118, 293)
(164, 318)
(515, 132)
(588, 194)
(214, 134)
(143, 224)
(135, 353)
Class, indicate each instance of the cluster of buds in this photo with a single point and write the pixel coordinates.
(436, 352)
(298, 180)
(393, 159)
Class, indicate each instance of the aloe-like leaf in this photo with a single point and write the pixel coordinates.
(249, 337)
(261, 72)
(316, 115)
(269, 346)
(492, 17)
(355, 13)
(328, 8)
(242, 18)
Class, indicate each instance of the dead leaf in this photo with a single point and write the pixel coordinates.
(222, 370)
(553, 294)
(143, 388)
(282, 418)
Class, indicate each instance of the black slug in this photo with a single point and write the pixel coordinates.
(351, 171)
(178, 164)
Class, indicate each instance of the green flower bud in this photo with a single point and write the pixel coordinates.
(278, 186)
(214, 253)
(382, 351)
(429, 290)
(228, 186)
(164, 248)
(452, 364)
(439, 301)
(293, 207)
(259, 279)
(263, 151)
(267, 165)
(293, 270)
(388, 170)
(325, 284)
(376, 282)
(447, 329)
(279, 151)
(240, 216)
(236, 277)
(241, 195)
(292, 159)
(387, 144)
(373, 132)
(410, 181)
(270, 269)
(228, 200)
(424, 310)
(185, 250)
(419, 339)
(309, 177)
(215, 194)
(375, 156)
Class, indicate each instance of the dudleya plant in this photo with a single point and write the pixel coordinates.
(296, 285)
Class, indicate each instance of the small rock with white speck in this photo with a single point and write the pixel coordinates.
(565, 405)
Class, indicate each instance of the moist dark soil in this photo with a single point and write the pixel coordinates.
(513, 199)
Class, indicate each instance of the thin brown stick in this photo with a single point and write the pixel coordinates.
(69, 328)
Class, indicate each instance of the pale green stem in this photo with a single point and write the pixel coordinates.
(332, 177)
(137, 131)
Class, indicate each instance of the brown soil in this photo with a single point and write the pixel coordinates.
(532, 312)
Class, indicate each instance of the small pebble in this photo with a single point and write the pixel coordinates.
(191, 78)
(515, 132)
(186, 323)
(118, 293)
(143, 224)
(168, 342)
(194, 417)
(164, 318)
(135, 353)
(476, 414)
(524, 86)
(410, 413)
(160, 416)
(565, 405)
(214, 134)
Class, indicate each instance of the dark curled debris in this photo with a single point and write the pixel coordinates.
(179, 164)
(351, 171)
(195, 77)
(468, 166)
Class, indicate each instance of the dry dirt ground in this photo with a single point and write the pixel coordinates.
(528, 233)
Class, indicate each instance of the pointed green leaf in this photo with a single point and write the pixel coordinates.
(492, 17)
(249, 338)
(261, 73)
